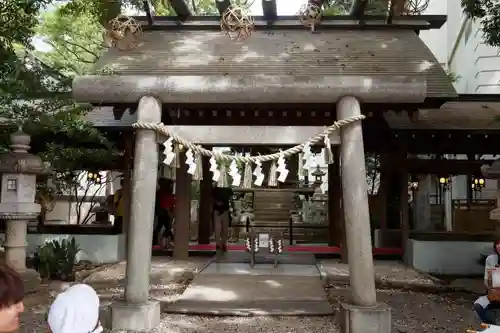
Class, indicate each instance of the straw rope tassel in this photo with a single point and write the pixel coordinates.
(247, 176)
(176, 162)
(272, 180)
(300, 169)
(223, 182)
(327, 151)
(198, 172)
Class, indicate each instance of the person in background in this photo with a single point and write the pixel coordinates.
(483, 305)
(75, 310)
(119, 205)
(221, 215)
(164, 211)
(11, 299)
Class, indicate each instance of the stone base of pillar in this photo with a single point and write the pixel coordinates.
(31, 280)
(135, 317)
(362, 319)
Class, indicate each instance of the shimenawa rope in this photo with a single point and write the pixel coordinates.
(163, 129)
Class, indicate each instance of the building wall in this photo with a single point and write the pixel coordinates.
(477, 64)
(65, 209)
(436, 40)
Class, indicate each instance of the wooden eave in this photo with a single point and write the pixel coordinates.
(343, 22)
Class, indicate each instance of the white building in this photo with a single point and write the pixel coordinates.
(459, 47)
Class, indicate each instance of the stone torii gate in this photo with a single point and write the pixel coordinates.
(184, 69)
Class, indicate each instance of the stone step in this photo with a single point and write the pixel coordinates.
(271, 215)
(272, 205)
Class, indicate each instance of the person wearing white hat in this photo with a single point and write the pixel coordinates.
(75, 310)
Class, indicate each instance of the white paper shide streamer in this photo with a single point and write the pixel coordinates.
(308, 158)
(257, 172)
(191, 163)
(282, 169)
(234, 172)
(214, 169)
(168, 151)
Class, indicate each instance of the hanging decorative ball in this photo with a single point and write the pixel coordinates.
(416, 7)
(310, 14)
(123, 32)
(237, 23)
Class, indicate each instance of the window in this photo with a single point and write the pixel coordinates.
(11, 184)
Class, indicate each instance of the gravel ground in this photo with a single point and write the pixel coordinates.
(412, 312)
(421, 312)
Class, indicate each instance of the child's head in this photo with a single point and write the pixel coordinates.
(75, 310)
(11, 299)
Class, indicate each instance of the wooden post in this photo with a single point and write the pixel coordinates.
(127, 179)
(385, 180)
(404, 209)
(470, 193)
(335, 216)
(205, 208)
(182, 210)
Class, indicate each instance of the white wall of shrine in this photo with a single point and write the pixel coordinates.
(88, 195)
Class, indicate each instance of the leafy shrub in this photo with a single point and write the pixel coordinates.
(55, 260)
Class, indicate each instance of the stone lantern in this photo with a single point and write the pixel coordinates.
(493, 172)
(18, 170)
(318, 177)
(318, 209)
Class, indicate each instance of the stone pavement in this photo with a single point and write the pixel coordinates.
(229, 288)
(388, 274)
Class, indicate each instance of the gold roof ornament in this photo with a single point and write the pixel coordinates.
(237, 23)
(123, 33)
(310, 14)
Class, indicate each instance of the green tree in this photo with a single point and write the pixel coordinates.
(36, 97)
(487, 12)
(75, 41)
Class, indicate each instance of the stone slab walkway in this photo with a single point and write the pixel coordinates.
(390, 274)
(236, 289)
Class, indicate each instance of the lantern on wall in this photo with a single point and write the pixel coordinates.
(413, 183)
(478, 183)
(444, 182)
(94, 177)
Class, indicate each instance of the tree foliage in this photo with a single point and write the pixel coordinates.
(35, 95)
(75, 41)
(487, 12)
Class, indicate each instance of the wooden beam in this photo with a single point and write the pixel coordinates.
(445, 167)
(270, 9)
(181, 9)
(150, 13)
(222, 5)
(249, 135)
(420, 22)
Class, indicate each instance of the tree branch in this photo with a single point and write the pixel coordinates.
(83, 48)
